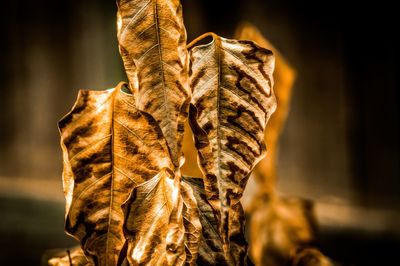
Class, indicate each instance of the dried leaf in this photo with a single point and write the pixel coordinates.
(232, 96)
(152, 40)
(278, 226)
(211, 250)
(211, 246)
(74, 257)
(265, 172)
(109, 147)
(193, 228)
(311, 257)
(153, 222)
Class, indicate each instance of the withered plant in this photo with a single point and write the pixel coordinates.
(126, 199)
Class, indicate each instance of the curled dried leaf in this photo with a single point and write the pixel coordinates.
(152, 41)
(191, 220)
(265, 172)
(109, 147)
(210, 250)
(74, 257)
(232, 101)
(278, 226)
(153, 222)
(311, 257)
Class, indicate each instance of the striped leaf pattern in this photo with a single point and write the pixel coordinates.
(153, 222)
(232, 101)
(265, 173)
(271, 215)
(152, 41)
(109, 147)
(125, 200)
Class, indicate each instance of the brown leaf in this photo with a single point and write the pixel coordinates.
(109, 147)
(152, 40)
(232, 96)
(265, 172)
(193, 228)
(278, 226)
(153, 222)
(211, 250)
(311, 257)
(74, 257)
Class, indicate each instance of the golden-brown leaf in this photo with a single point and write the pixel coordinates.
(233, 99)
(191, 220)
(311, 257)
(153, 222)
(74, 257)
(211, 250)
(152, 40)
(109, 147)
(278, 226)
(284, 77)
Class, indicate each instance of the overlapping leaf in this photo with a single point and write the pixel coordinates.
(265, 173)
(277, 225)
(232, 100)
(191, 220)
(153, 222)
(152, 40)
(109, 147)
(210, 248)
(74, 257)
(122, 152)
(310, 257)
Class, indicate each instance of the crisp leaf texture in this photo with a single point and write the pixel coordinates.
(277, 225)
(153, 222)
(232, 101)
(265, 173)
(211, 250)
(109, 147)
(191, 220)
(74, 257)
(152, 41)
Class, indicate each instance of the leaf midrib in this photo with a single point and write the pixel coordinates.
(112, 176)
(160, 54)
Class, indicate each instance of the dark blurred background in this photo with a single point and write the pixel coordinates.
(340, 146)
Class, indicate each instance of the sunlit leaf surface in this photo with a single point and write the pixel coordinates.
(109, 147)
(154, 225)
(152, 41)
(232, 101)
